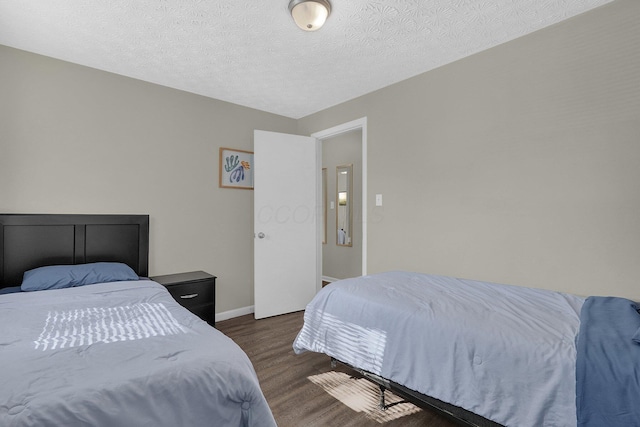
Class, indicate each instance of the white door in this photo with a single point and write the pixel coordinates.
(286, 223)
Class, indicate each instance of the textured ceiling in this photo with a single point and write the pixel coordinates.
(251, 53)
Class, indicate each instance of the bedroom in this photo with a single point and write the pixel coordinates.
(523, 161)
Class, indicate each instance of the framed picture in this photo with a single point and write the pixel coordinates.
(236, 168)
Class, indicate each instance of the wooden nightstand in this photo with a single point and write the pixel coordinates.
(195, 290)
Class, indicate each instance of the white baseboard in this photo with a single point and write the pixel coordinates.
(329, 279)
(226, 315)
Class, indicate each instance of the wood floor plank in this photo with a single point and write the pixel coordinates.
(295, 400)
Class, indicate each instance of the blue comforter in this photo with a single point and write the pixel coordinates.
(120, 354)
(608, 363)
(506, 353)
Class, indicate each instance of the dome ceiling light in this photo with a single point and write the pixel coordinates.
(310, 15)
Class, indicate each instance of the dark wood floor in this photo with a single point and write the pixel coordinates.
(293, 398)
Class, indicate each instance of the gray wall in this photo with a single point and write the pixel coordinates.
(520, 164)
(78, 140)
(341, 262)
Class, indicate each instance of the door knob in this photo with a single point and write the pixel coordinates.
(261, 235)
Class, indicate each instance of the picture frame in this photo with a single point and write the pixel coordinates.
(235, 169)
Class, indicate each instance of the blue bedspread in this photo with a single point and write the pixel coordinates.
(608, 363)
(506, 353)
(120, 354)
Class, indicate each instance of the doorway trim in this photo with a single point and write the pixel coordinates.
(360, 124)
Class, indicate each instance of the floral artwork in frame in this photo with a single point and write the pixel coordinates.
(236, 168)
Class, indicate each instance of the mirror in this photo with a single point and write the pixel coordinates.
(324, 205)
(344, 204)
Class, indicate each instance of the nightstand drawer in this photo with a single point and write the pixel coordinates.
(205, 312)
(195, 290)
(192, 294)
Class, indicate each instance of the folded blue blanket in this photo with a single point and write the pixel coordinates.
(608, 363)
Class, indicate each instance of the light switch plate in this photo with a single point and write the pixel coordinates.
(378, 199)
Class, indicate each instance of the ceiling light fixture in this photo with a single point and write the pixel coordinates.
(309, 15)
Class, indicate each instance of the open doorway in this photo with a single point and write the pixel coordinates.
(354, 137)
(342, 162)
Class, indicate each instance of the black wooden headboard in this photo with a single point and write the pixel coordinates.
(34, 240)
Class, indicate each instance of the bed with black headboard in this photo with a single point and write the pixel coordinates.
(108, 349)
(35, 240)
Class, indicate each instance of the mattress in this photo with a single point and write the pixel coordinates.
(504, 352)
(120, 354)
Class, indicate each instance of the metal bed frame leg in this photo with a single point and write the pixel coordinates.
(382, 404)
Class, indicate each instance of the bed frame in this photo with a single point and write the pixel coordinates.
(29, 241)
(454, 413)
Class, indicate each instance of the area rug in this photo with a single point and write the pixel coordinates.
(361, 395)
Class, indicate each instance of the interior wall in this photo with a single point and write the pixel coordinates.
(517, 165)
(341, 262)
(79, 140)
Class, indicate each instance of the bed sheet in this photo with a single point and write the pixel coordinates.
(120, 354)
(504, 352)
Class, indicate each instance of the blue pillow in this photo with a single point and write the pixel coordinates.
(68, 276)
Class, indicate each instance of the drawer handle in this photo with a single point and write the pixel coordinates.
(188, 296)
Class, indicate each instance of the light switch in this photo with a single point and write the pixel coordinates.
(378, 199)
(331, 205)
